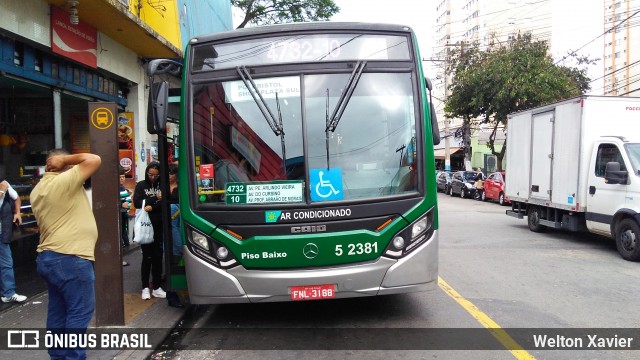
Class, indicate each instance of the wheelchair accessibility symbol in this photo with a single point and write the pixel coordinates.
(326, 184)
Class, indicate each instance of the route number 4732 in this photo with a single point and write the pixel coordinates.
(357, 249)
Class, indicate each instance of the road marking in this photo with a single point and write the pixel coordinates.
(499, 333)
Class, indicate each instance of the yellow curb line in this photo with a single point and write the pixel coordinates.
(500, 334)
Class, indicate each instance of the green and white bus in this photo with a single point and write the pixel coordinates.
(306, 163)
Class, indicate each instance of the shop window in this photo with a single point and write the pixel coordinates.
(76, 76)
(54, 70)
(100, 84)
(37, 62)
(62, 73)
(18, 54)
(90, 83)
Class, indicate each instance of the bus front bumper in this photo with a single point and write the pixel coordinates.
(417, 271)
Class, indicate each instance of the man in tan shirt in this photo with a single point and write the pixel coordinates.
(68, 235)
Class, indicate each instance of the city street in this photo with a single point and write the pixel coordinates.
(515, 279)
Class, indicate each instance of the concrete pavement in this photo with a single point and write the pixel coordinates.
(151, 315)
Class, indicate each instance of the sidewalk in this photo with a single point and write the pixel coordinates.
(144, 314)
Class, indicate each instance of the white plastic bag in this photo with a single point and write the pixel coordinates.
(142, 229)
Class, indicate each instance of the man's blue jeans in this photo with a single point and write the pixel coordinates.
(70, 280)
(8, 281)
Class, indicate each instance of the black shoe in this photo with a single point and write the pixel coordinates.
(178, 305)
(173, 300)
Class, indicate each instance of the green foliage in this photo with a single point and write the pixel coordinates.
(265, 12)
(487, 85)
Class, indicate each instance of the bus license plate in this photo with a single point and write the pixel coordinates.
(313, 292)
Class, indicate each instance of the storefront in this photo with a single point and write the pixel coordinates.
(44, 105)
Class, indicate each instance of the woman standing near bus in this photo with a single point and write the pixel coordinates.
(148, 190)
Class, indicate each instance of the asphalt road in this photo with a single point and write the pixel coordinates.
(499, 275)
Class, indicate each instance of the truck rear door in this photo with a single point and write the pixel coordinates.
(541, 158)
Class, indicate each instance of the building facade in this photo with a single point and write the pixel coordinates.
(56, 56)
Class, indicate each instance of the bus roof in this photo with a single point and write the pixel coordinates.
(307, 26)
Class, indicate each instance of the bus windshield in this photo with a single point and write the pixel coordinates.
(294, 156)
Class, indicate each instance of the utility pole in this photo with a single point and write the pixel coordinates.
(447, 121)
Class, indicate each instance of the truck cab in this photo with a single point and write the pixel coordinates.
(613, 200)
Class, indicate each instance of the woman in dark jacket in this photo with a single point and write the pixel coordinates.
(149, 191)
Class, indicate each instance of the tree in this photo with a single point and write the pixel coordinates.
(487, 85)
(264, 12)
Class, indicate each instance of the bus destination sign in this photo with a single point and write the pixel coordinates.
(264, 192)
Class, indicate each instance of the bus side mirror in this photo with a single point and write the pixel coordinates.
(613, 174)
(158, 107)
(435, 130)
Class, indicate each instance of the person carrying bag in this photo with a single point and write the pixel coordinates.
(148, 190)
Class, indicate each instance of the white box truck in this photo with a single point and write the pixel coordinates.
(575, 165)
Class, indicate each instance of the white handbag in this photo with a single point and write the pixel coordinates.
(142, 228)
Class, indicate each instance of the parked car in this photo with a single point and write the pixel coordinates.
(463, 183)
(494, 188)
(443, 181)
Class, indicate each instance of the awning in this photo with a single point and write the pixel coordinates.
(440, 153)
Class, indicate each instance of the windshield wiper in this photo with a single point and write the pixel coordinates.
(275, 124)
(332, 122)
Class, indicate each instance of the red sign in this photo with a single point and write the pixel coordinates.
(77, 42)
(206, 171)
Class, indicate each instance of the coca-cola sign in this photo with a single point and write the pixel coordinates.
(74, 41)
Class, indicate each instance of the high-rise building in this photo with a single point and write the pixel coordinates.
(571, 27)
(621, 51)
(482, 21)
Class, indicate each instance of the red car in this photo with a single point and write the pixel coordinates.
(494, 188)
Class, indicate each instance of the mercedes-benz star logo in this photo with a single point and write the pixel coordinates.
(310, 250)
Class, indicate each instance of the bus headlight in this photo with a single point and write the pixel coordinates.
(398, 242)
(410, 237)
(222, 253)
(200, 240)
(210, 250)
(420, 226)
